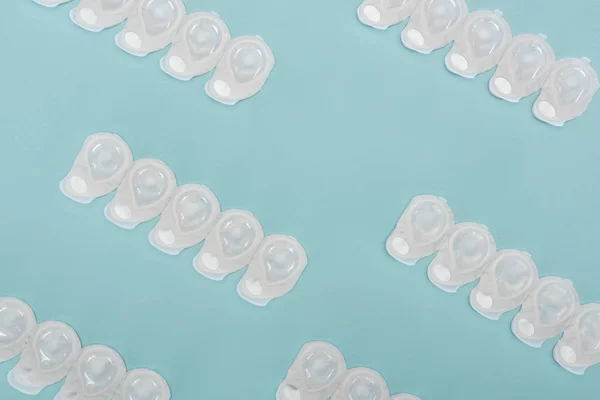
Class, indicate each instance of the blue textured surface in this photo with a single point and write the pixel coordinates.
(349, 127)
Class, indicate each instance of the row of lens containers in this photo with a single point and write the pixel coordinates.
(319, 372)
(483, 40)
(508, 279)
(200, 42)
(189, 214)
(51, 351)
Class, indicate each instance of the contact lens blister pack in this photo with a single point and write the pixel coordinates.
(433, 24)
(274, 270)
(547, 311)
(186, 220)
(463, 257)
(523, 68)
(97, 374)
(362, 383)
(97, 15)
(567, 92)
(421, 229)
(246, 64)
(381, 14)
(143, 384)
(197, 47)
(142, 195)
(579, 347)
(315, 374)
(230, 244)
(17, 324)
(507, 281)
(151, 26)
(98, 169)
(479, 44)
(47, 358)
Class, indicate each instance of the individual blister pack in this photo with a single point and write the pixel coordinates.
(546, 312)
(523, 68)
(96, 375)
(381, 14)
(151, 26)
(579, 348)
(567, 92)
(142, 195)
(198, 46)
(96, 15)
(186, 220)
(315, 373)
(51, 3)
(241, 73)
(463, 257)
(143, 384)
(404, 396)
(362, 383)
(479, 44)
(230, 244)
(273, 271)
(46, 359)
(433, 24)
(421, 229)
(505, 284)
(17, 323)
(98, 169)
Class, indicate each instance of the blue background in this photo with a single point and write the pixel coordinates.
(349, 127)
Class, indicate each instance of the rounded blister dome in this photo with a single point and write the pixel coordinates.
(143, 385)
(530, 59)
(365, 387)
(572, 82)
(159, 15)
(105, 158)
(204, 37)
(428, 221)
(556, 302)
(237, 235)
(110, 5)
(441, 14)
(485, 35)
(589, 328)
(470, 247)
(14, 321)
(150, 183)
(320, 369)
(193, 210)
(247, 61)
(98, 369)
(280, 259)
(54, 345)
(513, 276)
